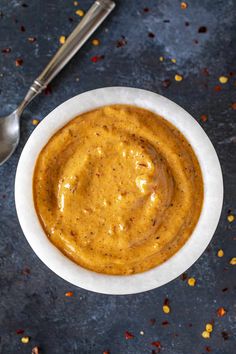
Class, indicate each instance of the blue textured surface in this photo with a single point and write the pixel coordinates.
(89, 323)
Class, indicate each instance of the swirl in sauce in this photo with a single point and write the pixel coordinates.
(118, 190)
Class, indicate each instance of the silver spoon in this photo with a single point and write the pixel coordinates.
(10, 125)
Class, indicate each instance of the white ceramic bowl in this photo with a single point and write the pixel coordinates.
(185, 257)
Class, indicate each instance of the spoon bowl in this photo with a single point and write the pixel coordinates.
(9, 135)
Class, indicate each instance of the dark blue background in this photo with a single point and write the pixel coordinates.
(32, 297)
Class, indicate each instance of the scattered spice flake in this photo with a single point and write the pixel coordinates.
(121, 42)
(173, 60)
(233, 105)
(225, 335)
(206, 334)
(217, 88)
(166, 309)
(80, 13)
(205, 72)
(70, 19)
(128, 335)
(69, 293)
(166, 83)
(221, 312)
(183, 276)
(208, 349)
(191, 281)
(20, 331)
(22, 28)
(224, 290)
(220, 253)
(202, 29)
(6, 50)
(48, 90)
(32, 39)
(178, 77)
(183, 5)
(35, 121)
(146, 9)
(233, 261)
(19, 62)
(97, 58)
(95, 42)
(156, 344)
(151, 34)
(62, 39)
(204, 118)
(165, 323)
(25, 339)
(152, 321)
(35, 350)
(209, 327)
(223, 79)
(230, 218)
(26, 271)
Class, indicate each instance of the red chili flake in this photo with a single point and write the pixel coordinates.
(225, 289)
(19, 62)
(6, 50)
(157, 344)
(205, 72)
(217, 88)
(32, 39)
(69, 293)
(166, 302)
(128, 335)
(121, 42)
(26, 271)
(97, 58)
(231, 73)
(202, 29)
(151, 34)
(225, 335)
(208, 349)
(22, 28)
(146, 9)
(184, 276)
(221, 311)
(166, 83)
(204, 118)
(233, 105)
(152, 321)
(165, 323)
(35, 350)
(106, 352)
(48, 90)
(20, 331)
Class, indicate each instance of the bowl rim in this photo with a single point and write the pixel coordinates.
(180, 261)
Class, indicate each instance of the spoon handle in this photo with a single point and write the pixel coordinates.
(90, 22)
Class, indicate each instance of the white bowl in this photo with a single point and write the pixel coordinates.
(173, 267)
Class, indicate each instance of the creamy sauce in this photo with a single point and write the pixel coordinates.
(118, 190)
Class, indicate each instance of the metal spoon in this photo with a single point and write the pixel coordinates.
(10, 125)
